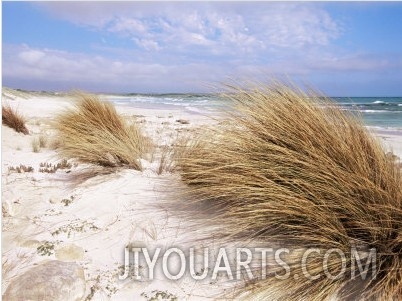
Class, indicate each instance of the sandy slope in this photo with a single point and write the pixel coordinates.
(89, 222)
(56, 216)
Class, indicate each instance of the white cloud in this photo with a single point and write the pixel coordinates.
(55, 68)
(31, 56)
(225, 28)
(147, 44)
(354, 62)
(182, 46)
(127, 25)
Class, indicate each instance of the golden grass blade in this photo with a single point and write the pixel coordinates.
(13, 119)
(293, 169)
(93, 132)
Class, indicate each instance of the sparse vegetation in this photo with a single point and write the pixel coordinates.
(75, 226)
(294, 170)
(52, 168)
(67, 202)
(38, 143)
(183, 121)
(157, 295)
(165, 162)
(93, 289)
(35, 143)
(46, 249)
(55, 143)
(12, 119)
(42, 141)
(93, 132)
(21, 169)
(104, 283)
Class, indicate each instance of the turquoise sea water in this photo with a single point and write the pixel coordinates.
(381, 112)
(384, 112)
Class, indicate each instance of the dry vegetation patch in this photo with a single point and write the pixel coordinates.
(291, 168)
(93, 132)
(21, 168)
(14, 120)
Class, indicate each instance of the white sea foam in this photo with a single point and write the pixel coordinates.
(374, 111)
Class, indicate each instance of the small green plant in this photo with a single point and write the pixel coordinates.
(157, 295)
(120, 270)
(67, 202)
(75, 226)
(46, 249)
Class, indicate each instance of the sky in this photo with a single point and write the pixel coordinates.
(338, 48)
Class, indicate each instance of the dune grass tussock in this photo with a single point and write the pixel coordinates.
(291, 168)
(13, 119)
(35, 145)
(93, 132)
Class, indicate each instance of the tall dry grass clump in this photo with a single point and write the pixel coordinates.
(292, 169)
(93, 132)
(13, 119)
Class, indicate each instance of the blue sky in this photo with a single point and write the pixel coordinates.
(339, 48)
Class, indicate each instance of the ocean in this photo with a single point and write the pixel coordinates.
(382, 112)
(377, 112)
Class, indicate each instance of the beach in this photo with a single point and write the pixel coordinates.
(69, 217)
(49, 216)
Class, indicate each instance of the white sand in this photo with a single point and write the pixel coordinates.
(91, 222)
(107, 212)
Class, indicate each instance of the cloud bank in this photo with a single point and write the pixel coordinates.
(184, 46)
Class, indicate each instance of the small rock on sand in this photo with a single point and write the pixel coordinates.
(51, 281)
